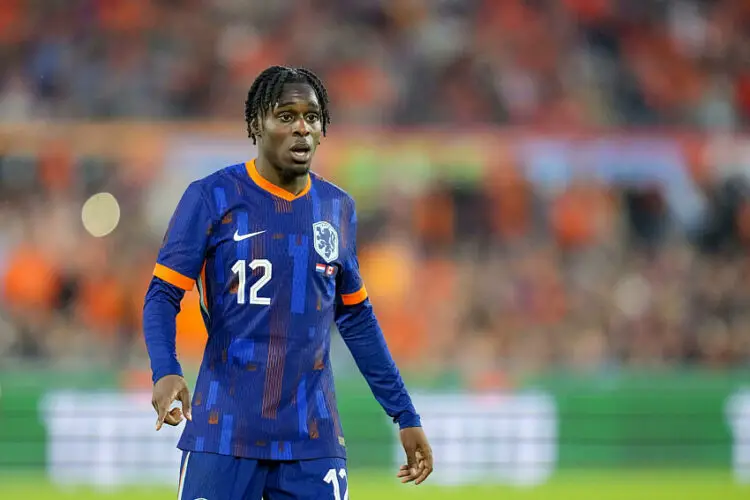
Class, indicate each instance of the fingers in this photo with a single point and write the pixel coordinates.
(425, 465)
(412, 464)
(410, 471)
(184, 397)
(161, 413)
(174, 417)
(406, 474)
(418, 472)
(167, 390)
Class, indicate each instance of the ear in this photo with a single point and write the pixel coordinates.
(255, 127)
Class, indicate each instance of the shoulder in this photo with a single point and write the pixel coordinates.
(218, 183)
(222, 177)
(327, 189)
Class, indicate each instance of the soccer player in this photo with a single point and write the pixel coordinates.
(272, 249)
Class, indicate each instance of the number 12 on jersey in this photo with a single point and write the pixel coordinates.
(240, 269)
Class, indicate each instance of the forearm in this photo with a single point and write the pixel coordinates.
(360, 330)
(160, 309)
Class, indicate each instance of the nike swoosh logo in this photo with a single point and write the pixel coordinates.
(240, 237)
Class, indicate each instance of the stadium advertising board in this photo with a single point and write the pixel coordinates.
(108, 439)
(672, 421)
(738, 418)
(489, 438)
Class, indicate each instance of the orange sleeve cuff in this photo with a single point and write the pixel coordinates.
(350, 299)
(173, 277)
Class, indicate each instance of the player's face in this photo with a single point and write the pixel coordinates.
(291, 130)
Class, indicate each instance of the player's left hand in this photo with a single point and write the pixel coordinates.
(418, 456)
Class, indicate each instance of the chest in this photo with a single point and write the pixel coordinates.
(286, 233)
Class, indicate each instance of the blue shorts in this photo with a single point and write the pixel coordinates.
(220, 477)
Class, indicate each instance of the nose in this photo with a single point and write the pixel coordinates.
(301, 127)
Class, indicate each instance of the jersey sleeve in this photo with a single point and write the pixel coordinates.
(183, 251)
(351, 288)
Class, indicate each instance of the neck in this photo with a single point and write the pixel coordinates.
(290, 182)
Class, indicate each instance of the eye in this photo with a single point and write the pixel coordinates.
(312, 117)
(285, 117)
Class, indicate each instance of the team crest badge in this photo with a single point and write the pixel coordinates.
(326, 241)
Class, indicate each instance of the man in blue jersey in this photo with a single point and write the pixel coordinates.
(272, 250)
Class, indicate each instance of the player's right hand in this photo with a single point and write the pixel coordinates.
(167, 390)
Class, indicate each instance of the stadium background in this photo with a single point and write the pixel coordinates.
(554, 222)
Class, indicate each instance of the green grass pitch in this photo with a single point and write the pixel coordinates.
(584, 485)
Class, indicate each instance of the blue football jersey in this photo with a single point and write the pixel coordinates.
(271, 268)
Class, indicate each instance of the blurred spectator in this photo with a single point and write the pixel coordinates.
(457, 62)
(489, 261)
(565, 281)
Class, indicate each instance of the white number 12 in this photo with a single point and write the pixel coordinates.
(333, 480)
(239, 268)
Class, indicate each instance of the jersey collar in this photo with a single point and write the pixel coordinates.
(273, 189)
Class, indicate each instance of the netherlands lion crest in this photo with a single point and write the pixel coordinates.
(326, 241)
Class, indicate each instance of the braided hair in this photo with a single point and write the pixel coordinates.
(266, 90)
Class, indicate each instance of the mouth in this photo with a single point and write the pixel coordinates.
(300, 152)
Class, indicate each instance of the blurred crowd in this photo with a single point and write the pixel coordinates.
(490, 280)
(65, 295)
(501, 279)
(453, 62)
(490, 276)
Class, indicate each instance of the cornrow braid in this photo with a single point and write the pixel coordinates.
(266, 90)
